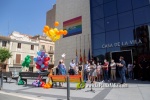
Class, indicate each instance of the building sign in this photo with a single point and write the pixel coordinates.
(118, 44)
(73, 26)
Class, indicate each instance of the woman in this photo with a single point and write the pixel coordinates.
(80, 67)
(93, 71)
(62, 70)
(98, 69)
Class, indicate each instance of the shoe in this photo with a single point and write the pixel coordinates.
(135, 79)
(103, 81)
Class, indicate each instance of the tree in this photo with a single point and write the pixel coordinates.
(4, 54)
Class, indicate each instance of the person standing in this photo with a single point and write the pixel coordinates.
(72, 67)
(113, 70)
(86, 72)
(105, 70)
(135, 70)
(98, 70)
(122, 69)
(144, 66)
(130, 70)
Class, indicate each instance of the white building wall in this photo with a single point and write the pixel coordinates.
(66, 10)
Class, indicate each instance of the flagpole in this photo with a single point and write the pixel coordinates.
(84, 50)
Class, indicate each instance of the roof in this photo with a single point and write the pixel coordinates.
(4, 38)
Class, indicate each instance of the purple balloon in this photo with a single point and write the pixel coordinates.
(39, 58)
(39, 62)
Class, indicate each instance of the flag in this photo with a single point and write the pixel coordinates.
(84, 56)
(80, 57)
(89, 55)
(76, 57)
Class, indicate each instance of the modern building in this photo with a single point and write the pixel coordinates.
(45, 44)
(110, 28)
(22, 45)
(5, 43)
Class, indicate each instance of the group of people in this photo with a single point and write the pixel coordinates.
(92, 71)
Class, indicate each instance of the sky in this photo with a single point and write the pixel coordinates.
(24, 16)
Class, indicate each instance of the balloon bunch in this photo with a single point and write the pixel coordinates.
(38, 83)
(42, 61)
(26, 61)
(47, 85)
(53, 33)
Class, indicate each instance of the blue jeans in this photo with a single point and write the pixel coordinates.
(85, 75)
(105, 74)
(130, 73)
(122, 75)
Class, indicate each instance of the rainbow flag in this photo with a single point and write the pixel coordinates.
(73, 26)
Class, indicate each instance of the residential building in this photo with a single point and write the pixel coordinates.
(45, 44)
(22, 45)
(5, 43)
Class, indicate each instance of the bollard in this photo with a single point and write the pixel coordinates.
(1, 80)
(68, 87)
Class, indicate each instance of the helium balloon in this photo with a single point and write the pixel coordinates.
(56, 24)
(65, 32)
(46, 28)
(61, 31)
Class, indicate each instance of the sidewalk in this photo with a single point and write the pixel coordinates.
(137, 90)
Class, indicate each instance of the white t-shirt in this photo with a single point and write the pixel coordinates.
(72, 65)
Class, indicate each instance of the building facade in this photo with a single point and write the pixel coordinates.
(5, 43)
(74, 16)
(45, 44)
(120, 25)
(22, 45)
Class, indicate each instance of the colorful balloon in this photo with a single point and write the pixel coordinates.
(56, 24)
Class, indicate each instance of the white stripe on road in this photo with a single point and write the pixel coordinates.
(21, 96)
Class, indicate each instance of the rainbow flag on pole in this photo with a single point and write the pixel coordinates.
(73, 26)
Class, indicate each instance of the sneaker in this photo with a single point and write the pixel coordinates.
(103, 81)
(135, 79)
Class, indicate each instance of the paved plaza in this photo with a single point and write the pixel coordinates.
(137, 90)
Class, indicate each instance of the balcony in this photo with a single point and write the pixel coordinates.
(50, 51)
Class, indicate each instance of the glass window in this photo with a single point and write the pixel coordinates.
(113, 49)
(99, 52)
(126, 19)
(32, 47)
(139, 3)
(42, 47)
(110, 8)
(124, 5)
(98, 26)
(111, 23)
(98, 40)
(105, 1)
(97, 12)
(142, 15)
(19, 45)
(127, 35)
(112, 37)
(96, 2)
(4, 43)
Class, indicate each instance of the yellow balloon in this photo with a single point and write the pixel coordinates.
(57, 37)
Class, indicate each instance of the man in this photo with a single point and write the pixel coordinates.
(86, 72)
(113, 70)
(105, 70)
(144, 67)
(72, 67)
(122, 69)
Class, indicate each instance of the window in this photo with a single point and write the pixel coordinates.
(4, 43)
(124, 5)
(19, 45)
(139, 3)
(142, 15)
(97, 12)
(126, 19)
(112, 37)
(96, 2)
(110, 8)
(43, 47)
(111, 23)
(51, 58)
(18, 58)
(32, 47)
(31, 59)
(98, 40)
(98, 26)
(98, 52)
(127, 34)
(51, 48)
